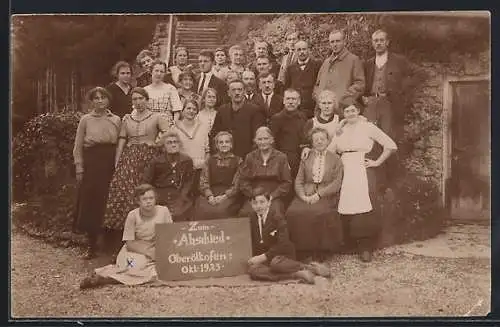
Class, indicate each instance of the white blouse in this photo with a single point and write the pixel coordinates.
(360, 137)
(318, 168)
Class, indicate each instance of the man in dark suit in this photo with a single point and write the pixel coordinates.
(388, 76)
(270, 102)
(263, 66)
(273, 253)
(240, 118)
(388, 84)
(250, 85)
(302, 76)
(208, 79)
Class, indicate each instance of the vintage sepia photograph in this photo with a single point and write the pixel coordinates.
(250, 165)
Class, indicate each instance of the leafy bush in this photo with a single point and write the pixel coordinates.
(42, 155)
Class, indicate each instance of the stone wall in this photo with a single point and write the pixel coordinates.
(426, 158)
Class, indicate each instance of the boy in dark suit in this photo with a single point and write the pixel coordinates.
(273, 253)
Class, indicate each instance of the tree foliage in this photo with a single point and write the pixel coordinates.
(88, 45)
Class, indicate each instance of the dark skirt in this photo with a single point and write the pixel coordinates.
(127, 176)
(179, 206)
(314, 227)
(98, 168)
(226, 209)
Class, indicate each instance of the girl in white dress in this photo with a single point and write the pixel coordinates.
(354, 140)
(135, 263)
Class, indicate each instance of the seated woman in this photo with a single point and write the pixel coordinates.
(273, 254)
(315, 228)
(172, 176)
(135, 263)
(136, 147)
(358, 193)
(268, 168)
(186, 89)
(325, 117)
(219, 182)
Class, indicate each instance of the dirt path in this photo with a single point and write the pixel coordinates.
(45, 282)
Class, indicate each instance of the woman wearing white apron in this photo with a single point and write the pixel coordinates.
(357, 194)
(326, 118)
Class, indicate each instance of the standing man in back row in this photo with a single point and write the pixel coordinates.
(290, 57)
(389, 77)
(302, 76)
(342, 72)
(208, 79)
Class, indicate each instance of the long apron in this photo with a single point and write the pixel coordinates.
(354, 193)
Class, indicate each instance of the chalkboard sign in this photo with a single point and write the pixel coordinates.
(201, 249)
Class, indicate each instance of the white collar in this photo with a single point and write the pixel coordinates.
(264, 216)
(270, 95)
(380, 60)
(302, 63)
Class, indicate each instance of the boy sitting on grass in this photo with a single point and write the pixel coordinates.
(273, 253)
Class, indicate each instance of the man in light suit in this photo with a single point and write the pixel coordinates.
(290, 57)
(342, 72)
(208, 79)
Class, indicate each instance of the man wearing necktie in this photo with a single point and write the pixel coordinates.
(302, 76)
(250, 84)
(290, 57)
(271, 102)
(342, 72)
(208, 79)
(273, 253)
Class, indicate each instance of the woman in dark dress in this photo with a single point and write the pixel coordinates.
(172, 176)
(121, 101)
(268, 168)
(314, 225)
(94, 156)
(219, 182)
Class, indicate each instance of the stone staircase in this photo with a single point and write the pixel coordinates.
(196, 36)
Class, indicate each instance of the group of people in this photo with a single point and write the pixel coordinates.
(283, 143)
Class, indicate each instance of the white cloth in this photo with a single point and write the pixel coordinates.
(134, 268)
(380, 60)
(354, 195)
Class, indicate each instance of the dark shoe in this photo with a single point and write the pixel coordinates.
(90, 253)
(319, 269)
(89, 282)
(305, 276)
(366, 256)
